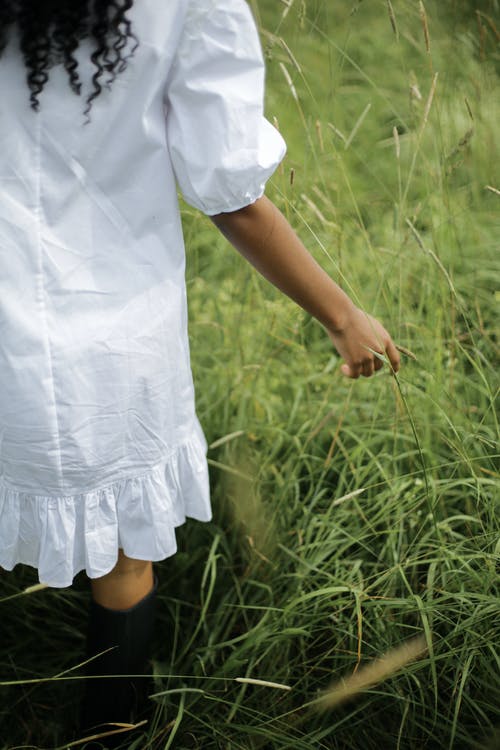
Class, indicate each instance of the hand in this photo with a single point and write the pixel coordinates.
(361, 332)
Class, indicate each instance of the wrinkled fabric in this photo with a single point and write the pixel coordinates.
(100, 443)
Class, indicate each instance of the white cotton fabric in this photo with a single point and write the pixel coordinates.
(100, 444)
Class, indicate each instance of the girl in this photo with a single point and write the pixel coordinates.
(101, 451)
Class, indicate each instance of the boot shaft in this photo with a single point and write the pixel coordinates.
(129, 633)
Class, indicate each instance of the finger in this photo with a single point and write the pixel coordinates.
(393, 355)
(368, 368)
(378, 364)
(350, 372)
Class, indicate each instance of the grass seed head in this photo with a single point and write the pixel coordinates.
(375, 672)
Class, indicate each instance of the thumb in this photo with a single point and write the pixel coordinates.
(346, 370)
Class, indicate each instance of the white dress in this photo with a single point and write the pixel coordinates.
(100, 445)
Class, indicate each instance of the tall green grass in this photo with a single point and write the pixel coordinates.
(349, 517)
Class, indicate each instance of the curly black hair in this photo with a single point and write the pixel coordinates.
(50, 32)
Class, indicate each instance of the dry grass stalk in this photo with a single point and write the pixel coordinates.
(320, 425)
(429, 102)
(371, 674)
(482, 36)
(288, 4)
(392, 18)
(493, 190)
(396, 141)
(312, 205)
(34, 588)
(265, 683)
(321, 195)
(319, 135)
(257, 552)
(123, 728)
(289, 81)
(337, 132)
(335, 439)
(432, 254)
(423, 18)
(468, 109)
(357, 125)
(290, 55)
(415, 92)
(490, 23)
(349, 495)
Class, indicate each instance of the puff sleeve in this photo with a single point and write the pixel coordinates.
(221, 146)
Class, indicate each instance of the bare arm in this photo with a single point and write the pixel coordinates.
(264, 237)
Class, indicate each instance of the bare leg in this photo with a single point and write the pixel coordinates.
(124, 586)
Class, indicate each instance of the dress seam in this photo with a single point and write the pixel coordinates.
(123, 479)
(251, 197)
(40, 285)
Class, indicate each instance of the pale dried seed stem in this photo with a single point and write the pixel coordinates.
(357, 125)
(288, 4)
(320, 136)
(350, 495)
(290, 54)
(396, 141)
(429, 102)
(102, 735)
(423, 18)
(337, 132)
(264, 683)
(289, 81)
(317, 211)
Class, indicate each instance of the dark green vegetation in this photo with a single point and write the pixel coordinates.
(348, 516)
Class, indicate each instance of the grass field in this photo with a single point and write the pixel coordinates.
(355, 531)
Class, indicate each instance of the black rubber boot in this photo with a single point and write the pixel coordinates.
(117, 699)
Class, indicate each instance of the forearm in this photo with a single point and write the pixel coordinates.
(264, 237)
